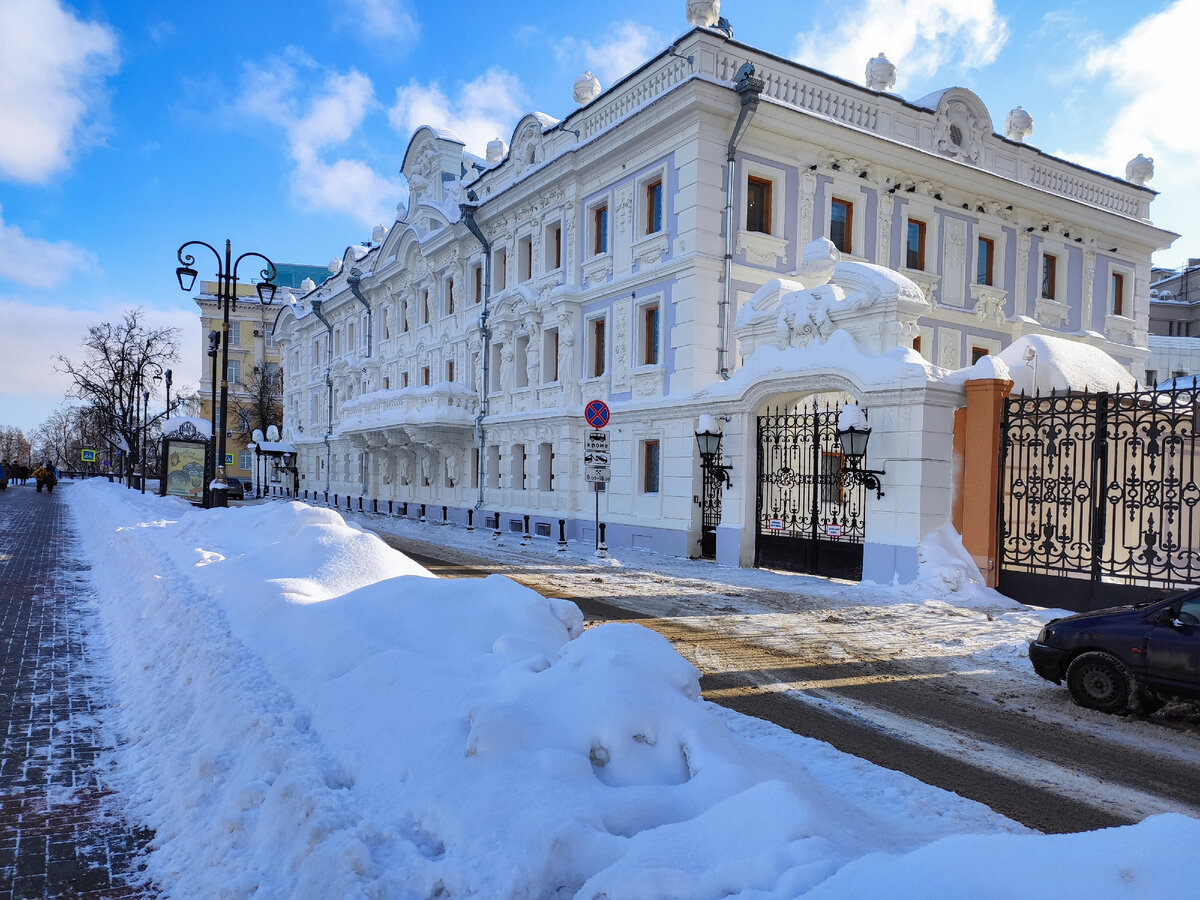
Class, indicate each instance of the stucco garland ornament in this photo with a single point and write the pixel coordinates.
(881, 73)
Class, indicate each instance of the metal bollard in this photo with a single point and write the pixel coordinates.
(404, 509)
(602, 549)
(444, 521)
(375, 505)
(496, 532)
(360, 508)
(470, 520)
(422, 512)
(562, 535)
(389, 507)
(525, 537)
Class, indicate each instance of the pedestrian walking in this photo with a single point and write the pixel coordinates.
(45, 476)
(3, 474)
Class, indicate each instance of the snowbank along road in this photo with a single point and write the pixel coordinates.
(940, 691)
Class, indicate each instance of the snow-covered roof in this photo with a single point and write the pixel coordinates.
(1060, 364)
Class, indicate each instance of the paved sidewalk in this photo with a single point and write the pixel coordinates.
(61, 834)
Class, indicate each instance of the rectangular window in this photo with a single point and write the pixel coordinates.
(518, 467)
(521, 362)
(477, 283)
(917, 343)
(403, 379)
(545, 467)
(1151, 377)
(758, 205)
(549, 355)
(404, 316)
(654, 194)
(387, 382)
(1049, 275)
(449, 370)
(597, 356)
(977, 353)
(500, 270)
(425, 307)
(235, 371)
(984, 261)
(915, 256)
(425, 376)
(494, 380)
(650, 335)
(650, 467)
(246, 460)
(449, 296)
(350, 336)
(600, 230)
(525, 258)
(1118, 294)
(235, 334)
(553, 247)
(841, 224)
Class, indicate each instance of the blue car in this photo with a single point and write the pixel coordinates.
(1131, 657)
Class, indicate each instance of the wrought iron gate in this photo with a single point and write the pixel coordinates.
(1098, 497)
(710, 506)
(807, 519)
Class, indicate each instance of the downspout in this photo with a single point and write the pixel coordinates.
(748, 88)
(468, 216)
(316, 308)
(354, 279)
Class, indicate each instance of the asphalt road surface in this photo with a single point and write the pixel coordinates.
(1036, 772)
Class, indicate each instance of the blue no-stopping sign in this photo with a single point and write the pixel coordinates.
(596, 413)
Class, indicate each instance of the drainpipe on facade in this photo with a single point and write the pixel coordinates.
(354, 279)
(316, 308)
(748, 88)
(468, 216)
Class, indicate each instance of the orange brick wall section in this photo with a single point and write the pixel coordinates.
(977, 470)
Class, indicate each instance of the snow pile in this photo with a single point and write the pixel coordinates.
(309, 714)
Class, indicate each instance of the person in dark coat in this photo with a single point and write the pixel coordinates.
(45, 476)
(3, 474)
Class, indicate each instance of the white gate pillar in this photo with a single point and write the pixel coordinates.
(912, 439)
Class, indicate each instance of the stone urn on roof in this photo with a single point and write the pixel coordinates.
(881, 73)
(587, 88)
(705, 13)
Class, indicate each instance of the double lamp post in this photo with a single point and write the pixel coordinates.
(227, 279)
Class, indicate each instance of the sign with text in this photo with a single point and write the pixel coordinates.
(597, 474)
(834, 531)
(596, 442)
(775, 524)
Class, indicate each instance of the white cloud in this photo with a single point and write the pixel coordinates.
(920, 36)
(315, 123)
(38, 263)
(629, 45)
(377, 20)
(31, 388)
(52, 70)
(485, 108)
(1150, 69)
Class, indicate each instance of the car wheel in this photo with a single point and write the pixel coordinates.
(1099, 681)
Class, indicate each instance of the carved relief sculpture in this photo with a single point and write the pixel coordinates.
(705, 13)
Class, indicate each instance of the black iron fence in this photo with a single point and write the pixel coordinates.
(1098, 496)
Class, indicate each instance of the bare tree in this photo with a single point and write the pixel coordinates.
(119, 365)
(14, 446)
(262, 403)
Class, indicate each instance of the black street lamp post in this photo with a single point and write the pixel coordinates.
(227, 296)
(145, 432)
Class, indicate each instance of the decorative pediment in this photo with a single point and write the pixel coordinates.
(961, 122)
(527, 149)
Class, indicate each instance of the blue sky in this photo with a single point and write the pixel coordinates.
(129, 127)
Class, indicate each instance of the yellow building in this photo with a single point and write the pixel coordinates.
(255, 377)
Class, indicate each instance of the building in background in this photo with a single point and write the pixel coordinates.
(255, 377)
(1174, 323)
(667, 248)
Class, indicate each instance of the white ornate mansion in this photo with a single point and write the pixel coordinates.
(657, 249)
